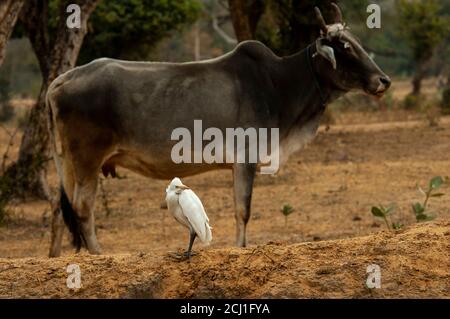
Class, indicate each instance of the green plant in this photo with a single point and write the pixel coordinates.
(385, 213)
(419, 209)
(412, 101)
(286, 210)
(397, 225)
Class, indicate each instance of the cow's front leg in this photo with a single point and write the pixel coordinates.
(243, 175)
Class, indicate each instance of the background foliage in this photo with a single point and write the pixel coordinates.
(163, 30)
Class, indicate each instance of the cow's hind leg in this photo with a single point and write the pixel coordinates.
(243, 175)
(57, 229)
(83, 204)
(57, 219)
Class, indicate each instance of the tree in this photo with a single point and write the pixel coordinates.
(442, 57)
(9, 12)
(130, 29)
(424, 29)
(57, 50)
(286, 26)
(293, 24)
(445, 101)
(120, 27)
(245, 15)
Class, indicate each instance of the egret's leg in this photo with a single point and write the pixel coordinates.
(191, 242)
(243, 175)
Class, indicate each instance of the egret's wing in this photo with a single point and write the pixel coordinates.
(193, 210)
(175, 208)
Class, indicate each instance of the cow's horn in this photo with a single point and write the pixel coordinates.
(337, 13)
(322, 24)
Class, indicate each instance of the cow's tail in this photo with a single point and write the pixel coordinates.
(70, 216)
(72, 221)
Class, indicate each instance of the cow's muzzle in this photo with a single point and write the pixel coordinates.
(379, 85)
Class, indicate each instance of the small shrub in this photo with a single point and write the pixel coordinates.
(420, 209)
(445, 102)
(397, 225)
(412, 101)
(3, 213)
(385, 213)
(22, 120)
(4, 90)
(6, 112)
(4, 193)
(432, 112)
(286, 211)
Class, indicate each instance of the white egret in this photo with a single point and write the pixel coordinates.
(188, 210)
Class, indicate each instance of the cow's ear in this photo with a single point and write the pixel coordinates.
(326, 51)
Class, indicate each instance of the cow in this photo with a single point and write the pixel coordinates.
(111, 113)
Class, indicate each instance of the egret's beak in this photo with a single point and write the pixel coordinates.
(181, 188)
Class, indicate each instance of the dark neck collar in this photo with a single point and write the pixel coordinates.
(324, 96)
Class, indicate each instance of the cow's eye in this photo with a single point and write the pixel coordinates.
(347, 45)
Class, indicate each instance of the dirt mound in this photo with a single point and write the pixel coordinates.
(414, 262)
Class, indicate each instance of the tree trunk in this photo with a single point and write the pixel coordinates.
(417, 79)
(296, 21)
(445, 102)
(9, 12)
(245, 15)
(26, 177)
(298, 24)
